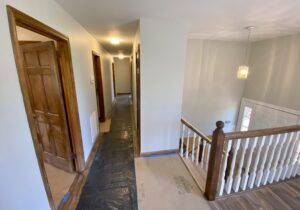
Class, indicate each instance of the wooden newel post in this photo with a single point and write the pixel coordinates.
(214, 163)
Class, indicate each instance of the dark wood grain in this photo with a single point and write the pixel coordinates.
(99, 86)
(214, 163)
(47, 103)
(278, 196)
(138, 94)
(114, 79)
(17, 18)
(261, 132)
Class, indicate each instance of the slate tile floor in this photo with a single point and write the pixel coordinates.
(111, 181)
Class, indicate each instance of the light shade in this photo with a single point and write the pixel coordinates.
(115, 41)
(243, 72)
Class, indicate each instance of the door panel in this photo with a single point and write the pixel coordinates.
(99, 87)
(44, 86)
(138, 96)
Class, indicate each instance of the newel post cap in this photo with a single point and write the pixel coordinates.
(220, 124)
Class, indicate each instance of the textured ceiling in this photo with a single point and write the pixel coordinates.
(206, 19)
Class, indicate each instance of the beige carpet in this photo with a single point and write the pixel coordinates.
(105, 126)
(164, 183)
(59, 181)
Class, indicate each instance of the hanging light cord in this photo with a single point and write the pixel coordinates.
(249, 28)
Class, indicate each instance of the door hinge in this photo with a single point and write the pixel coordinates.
(72, 156)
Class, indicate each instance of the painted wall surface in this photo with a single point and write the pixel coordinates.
(107, 79)
(27, 35)
(274, 72)
(122, 75)
(163, 45)
(212, 91)
(17, 156)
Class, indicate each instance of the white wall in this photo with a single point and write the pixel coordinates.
(27, 35)
(212, 91)
(122, 75)
(107, 79)
(20, 183)
(163, 46)
(274, 72)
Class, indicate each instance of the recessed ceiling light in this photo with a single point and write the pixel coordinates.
(115, 41)
(121, 56)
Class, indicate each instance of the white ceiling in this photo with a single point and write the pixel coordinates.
(206, 19)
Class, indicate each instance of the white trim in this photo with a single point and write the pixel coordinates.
(279, 108)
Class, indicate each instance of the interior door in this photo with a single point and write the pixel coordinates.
(138, 95)
(47, 103)
(99, 87)
(114, 79)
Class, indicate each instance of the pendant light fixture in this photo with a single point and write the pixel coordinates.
(244, 69)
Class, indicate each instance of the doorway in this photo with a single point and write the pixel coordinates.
(122, 74)
(138, 96)
(114, 79)
(99, 86)
(46, 78)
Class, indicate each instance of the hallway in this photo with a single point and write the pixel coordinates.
(111, 180)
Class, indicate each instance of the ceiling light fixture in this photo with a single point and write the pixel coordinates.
(121, 56)
(115, 41)
(243, 70)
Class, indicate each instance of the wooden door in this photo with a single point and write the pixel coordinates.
(46, 99)
(138, 95)
(99, 87)
(114, 79)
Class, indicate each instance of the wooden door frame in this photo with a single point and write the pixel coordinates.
(99, 83)
(138, 94)
(114, 78)
(131, 70)
(17, 18)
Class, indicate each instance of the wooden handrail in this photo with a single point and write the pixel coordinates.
(199, 133)
(217, 153)
(261, 132)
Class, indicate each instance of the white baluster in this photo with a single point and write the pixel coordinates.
(287, 164)
(203, 154)
(278, 154)
(198, 150)
(262, 165)
(267, 171)
(294, 157)
(193, 149)
(253, 172)
(237, 179)
(187, 144)
(208, 155)
(182, 140)
(236, 147)
(246, 174)
(228, 147)
(282, 160)
(296, 170)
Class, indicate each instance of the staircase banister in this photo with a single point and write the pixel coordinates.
(199, 133)
(215, 160)
(261, 132)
